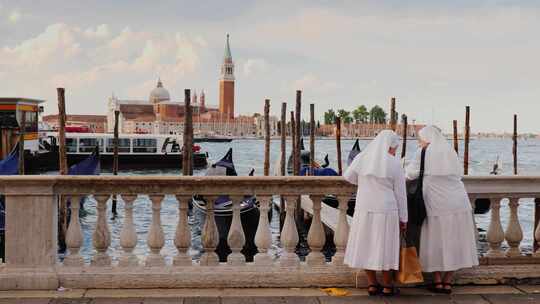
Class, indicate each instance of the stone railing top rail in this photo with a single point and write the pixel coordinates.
(485, 186)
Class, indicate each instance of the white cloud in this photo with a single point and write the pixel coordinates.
(313, 83)
(100, 32)
(14, 16)
(253, 66)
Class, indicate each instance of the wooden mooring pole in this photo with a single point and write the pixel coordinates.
(115, 161)
(515, 143)
(404, 135)
(312, 136)
(267, 137)
(293, 144)
(283, 160)
(298, 128)
(393, 114)
(456, 145)
(21, 143)
(338, 145)
(187, 149)
(63, 166)
(466, 144)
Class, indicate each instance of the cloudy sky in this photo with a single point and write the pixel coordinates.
(436, 57)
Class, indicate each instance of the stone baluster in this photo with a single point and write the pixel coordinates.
(495, 233)
(156, 237)
(263, 237)
(182, 237)
(289, 234)
(210, 235)
(74, 236)
(341, 235)
(513, 234)
(101, 239)
(316, 237)
(236, 238)
(128, 235)
(537, 231)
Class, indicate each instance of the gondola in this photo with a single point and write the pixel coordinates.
(8, 166)
(331, 200)
(482, 205)
(249, 212)
(89, 166)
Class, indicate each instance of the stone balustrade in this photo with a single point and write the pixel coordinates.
(31, 232)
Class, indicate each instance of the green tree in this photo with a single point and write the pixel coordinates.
(330, 117)
(345, 116)
(360, 114)
(377, 115)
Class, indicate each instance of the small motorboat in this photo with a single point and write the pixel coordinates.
(249, 212)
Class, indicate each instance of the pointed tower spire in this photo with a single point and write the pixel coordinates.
(228, 56)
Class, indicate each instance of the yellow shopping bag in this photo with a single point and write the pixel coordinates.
(410, 270)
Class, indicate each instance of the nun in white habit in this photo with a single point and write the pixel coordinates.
(380, 211)
(448, 240)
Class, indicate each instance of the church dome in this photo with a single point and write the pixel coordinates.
(159, 93)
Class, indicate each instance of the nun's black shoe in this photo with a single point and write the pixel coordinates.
(435, 289)
(447, 287)
(374, 290)
(393, 291)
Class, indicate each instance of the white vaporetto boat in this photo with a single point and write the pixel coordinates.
(135, 151)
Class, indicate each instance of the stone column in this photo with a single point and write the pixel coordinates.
(31, 235)
(128, 235)
(182, 237)
(156, 237)
(341, 235)
(74, 236)
(289, 234)
(263, 237)
(495, 233)
(101, 239)
(236, 238)
(210, 235)
(316, 237)
(513, 234)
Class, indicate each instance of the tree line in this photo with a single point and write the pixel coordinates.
(359, 115)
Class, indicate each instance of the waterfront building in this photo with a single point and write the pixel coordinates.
(365, 129)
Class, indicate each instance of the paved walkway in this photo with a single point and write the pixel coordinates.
(462, 295)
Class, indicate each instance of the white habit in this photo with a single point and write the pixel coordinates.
(381, 203)
(448, 235)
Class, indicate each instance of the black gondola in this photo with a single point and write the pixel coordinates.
(331, 200)
(8, 166)
(249, 212)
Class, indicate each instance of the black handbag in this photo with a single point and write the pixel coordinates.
(415, 196)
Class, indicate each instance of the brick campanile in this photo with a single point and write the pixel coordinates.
(226, 83)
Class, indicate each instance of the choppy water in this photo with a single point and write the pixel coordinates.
(249, 154)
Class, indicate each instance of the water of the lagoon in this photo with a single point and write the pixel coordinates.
(250, 154)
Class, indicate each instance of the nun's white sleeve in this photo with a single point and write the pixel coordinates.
(413, 168)
(351, 176)
(400, 193)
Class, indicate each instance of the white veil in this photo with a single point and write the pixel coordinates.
(375, 159)
(441, 158)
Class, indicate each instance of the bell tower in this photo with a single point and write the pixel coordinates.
(226, 83)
